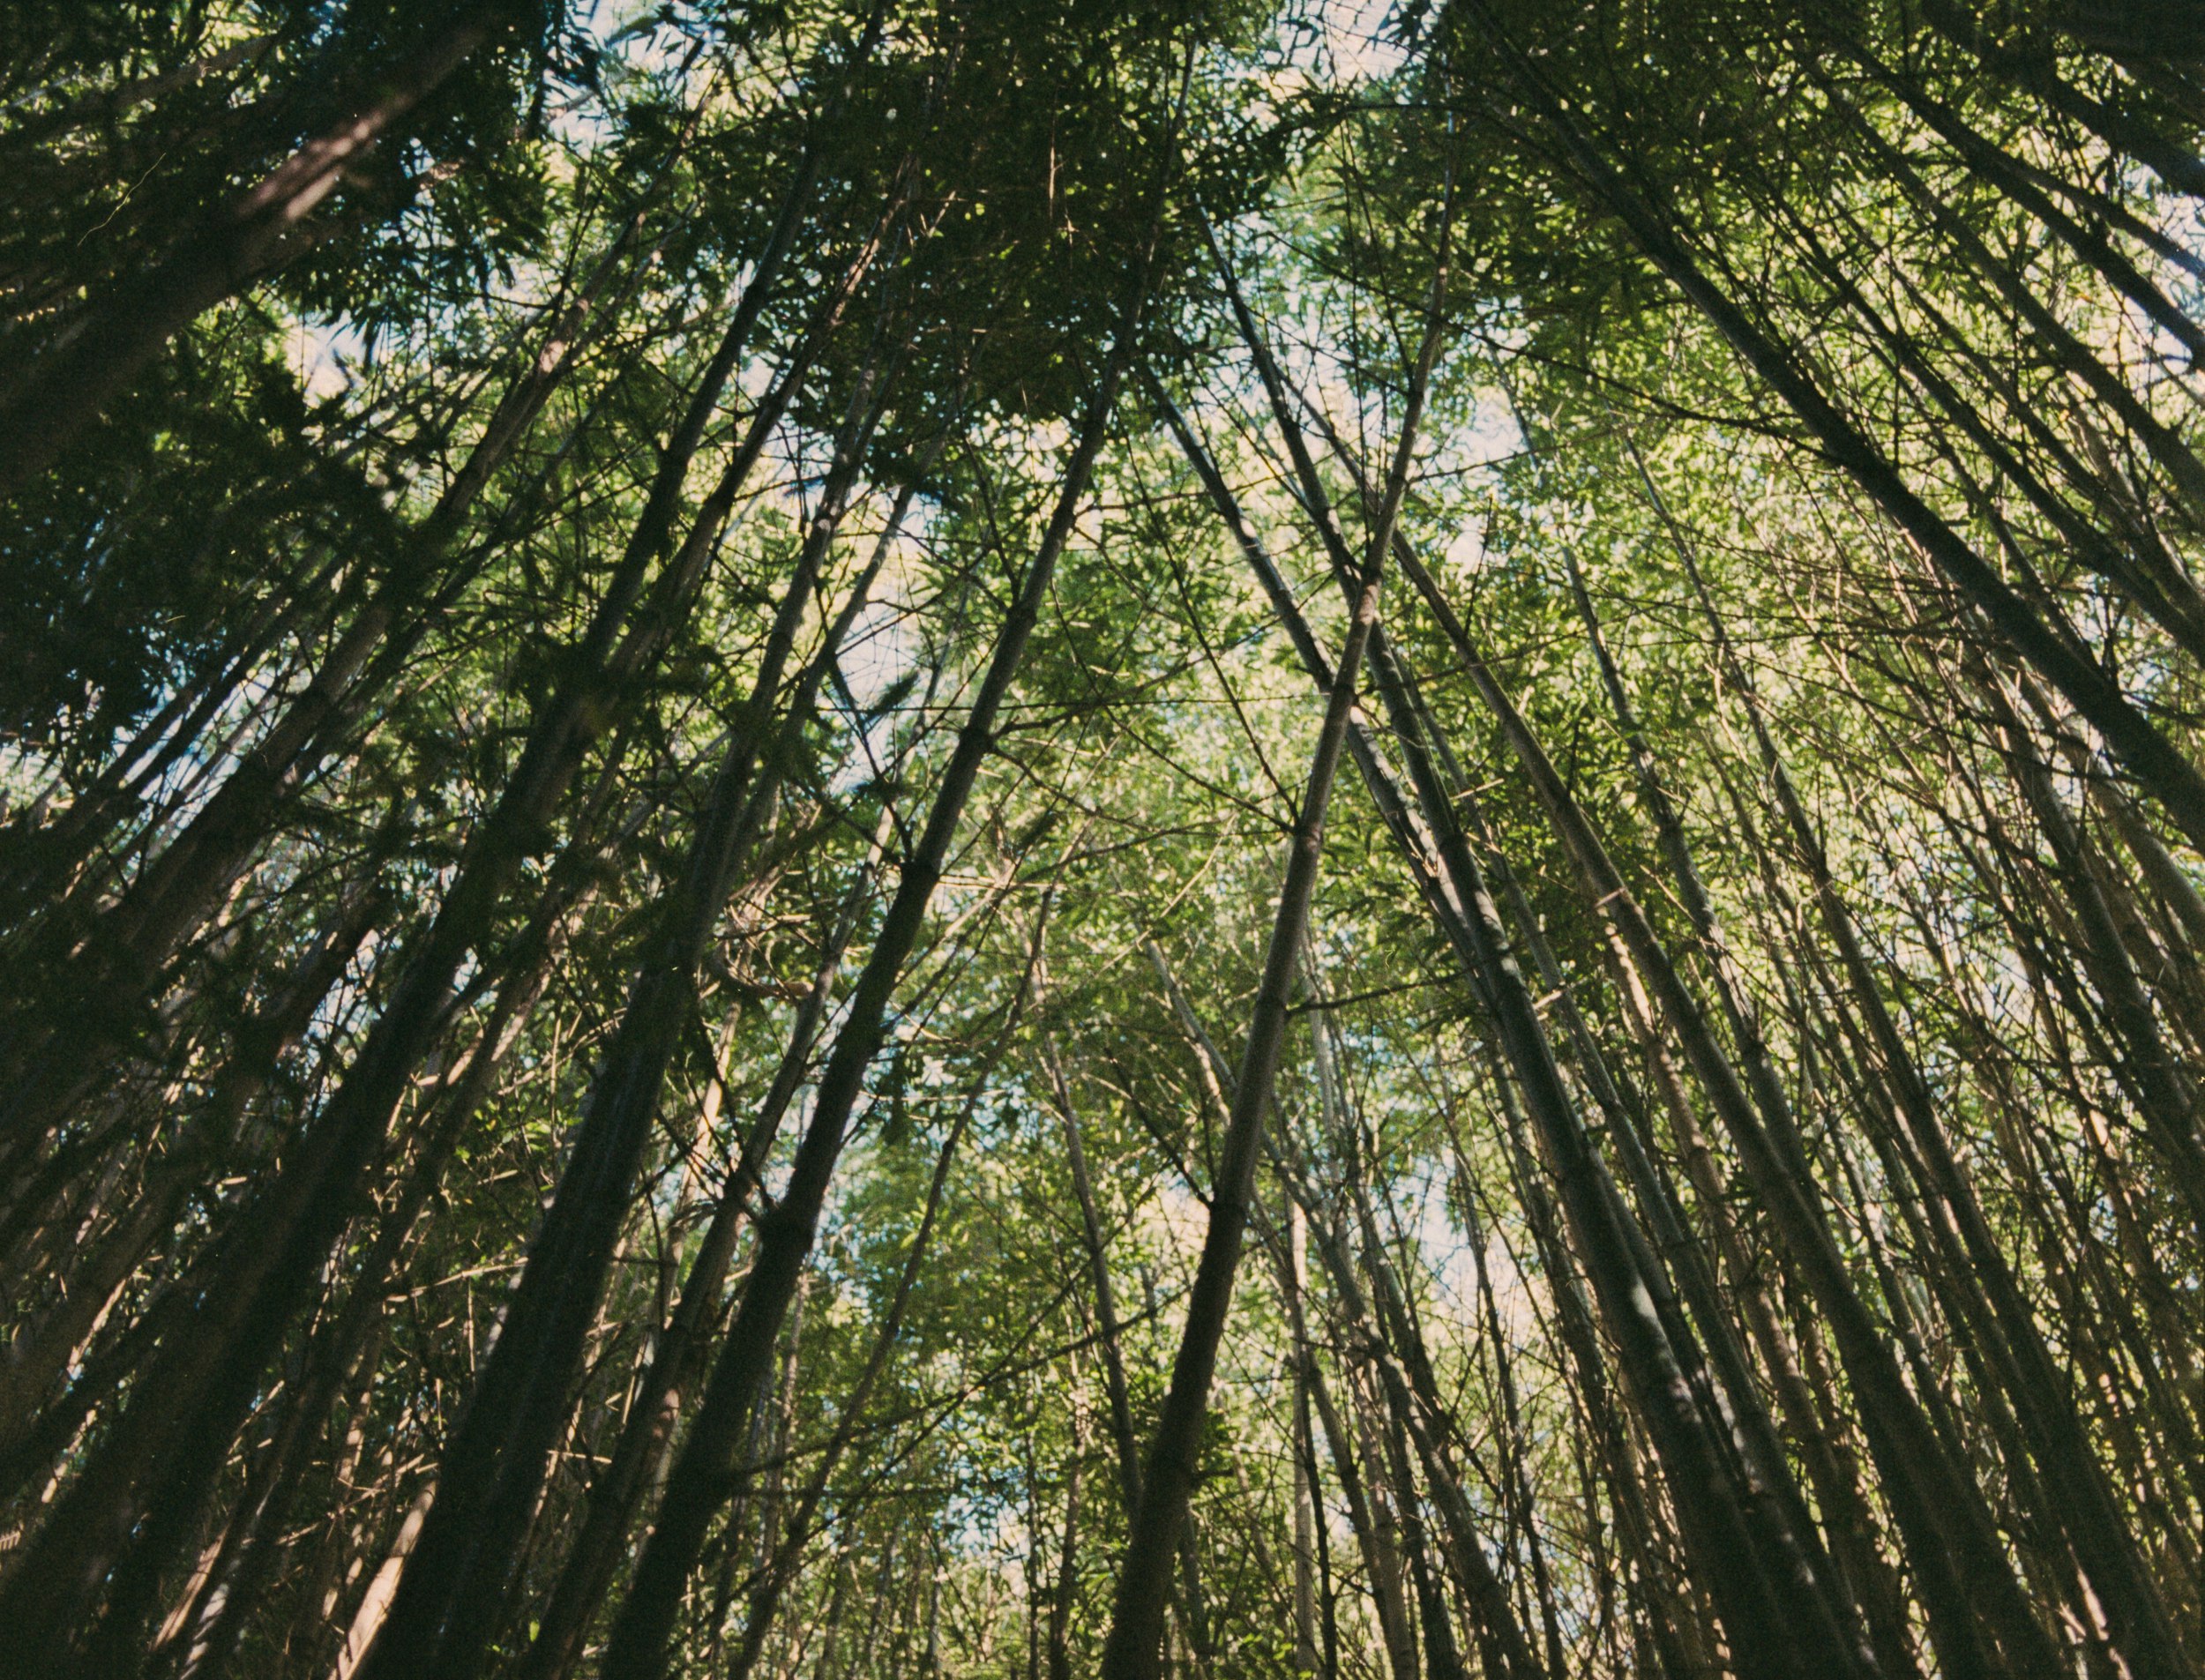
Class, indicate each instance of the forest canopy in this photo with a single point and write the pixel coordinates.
(1033, 838)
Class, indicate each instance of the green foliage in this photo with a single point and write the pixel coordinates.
(1971, 240)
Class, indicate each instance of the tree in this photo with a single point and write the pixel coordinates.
(657, 660)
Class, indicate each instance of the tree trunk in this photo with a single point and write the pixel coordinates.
(491, 1472)
(2156, 764)
(119, 335)
(1168, 1474)
(701, 1485)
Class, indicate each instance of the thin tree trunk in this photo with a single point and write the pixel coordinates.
(639, 1649)
(2156, 764)
(1305, 1648)
(1123, 1437)
(1064, 1602)
(1131, 1651)
(491, 1472)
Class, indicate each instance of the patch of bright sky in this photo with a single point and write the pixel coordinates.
(1355, 40)
(881, 646)
(317, 352)
(1454, 463)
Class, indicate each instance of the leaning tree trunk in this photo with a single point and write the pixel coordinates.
(1132, 1650)
(181, 1418)
(641, 1636)
(490, 1474)
(120, 334)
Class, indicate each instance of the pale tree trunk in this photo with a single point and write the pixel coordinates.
(1306, 1653)
(367, 1621)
